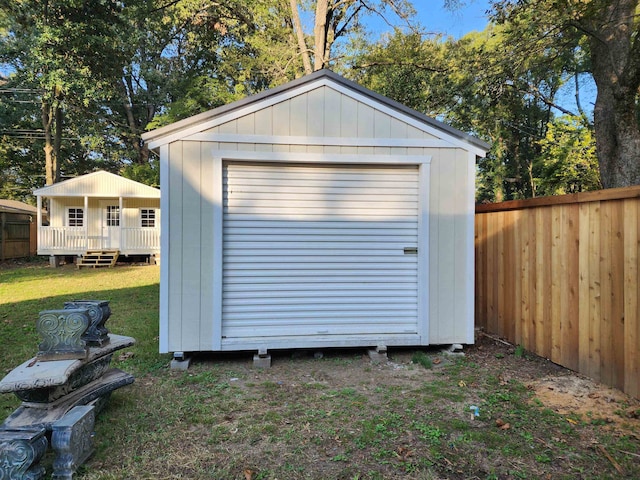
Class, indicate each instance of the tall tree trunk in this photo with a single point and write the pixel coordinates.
(52, 127)
(302, 44)
(615, 59)
(320, 34)
(133, 138)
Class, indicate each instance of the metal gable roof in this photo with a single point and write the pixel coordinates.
(186, 127)
(98, 184)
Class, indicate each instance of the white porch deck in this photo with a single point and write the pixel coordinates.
(76, 240)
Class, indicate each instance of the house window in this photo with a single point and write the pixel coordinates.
(75, 217)
(148, 217)
(113, 216)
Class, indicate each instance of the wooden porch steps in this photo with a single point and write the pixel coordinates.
(98, 258)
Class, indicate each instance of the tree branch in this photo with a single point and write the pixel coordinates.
(396, 63)
(302, 45)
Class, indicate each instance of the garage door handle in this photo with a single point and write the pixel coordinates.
(410, 250)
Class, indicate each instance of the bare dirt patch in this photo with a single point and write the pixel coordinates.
(591, 401)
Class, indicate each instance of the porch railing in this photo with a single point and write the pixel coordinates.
(76, 240)
(140, 239)
(62, 239)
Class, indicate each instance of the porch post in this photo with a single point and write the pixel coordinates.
(120, 203)
(38, 222)
(85, 222)
(39, 214)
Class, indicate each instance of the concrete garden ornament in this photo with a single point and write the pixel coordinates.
(62, 389)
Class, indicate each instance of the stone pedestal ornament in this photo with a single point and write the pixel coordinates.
(21, 450)
(61, 332)
(71, 441)
(99, 312)
(62, 389)
(87, 373)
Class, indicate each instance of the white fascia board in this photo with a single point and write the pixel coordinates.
(234, 114)
(471, 262)
(323, 158)
(424, 214)
(163, 343)
(320, 141)
(420, 125)
(218, 253)
(190, 132)
(99, 195)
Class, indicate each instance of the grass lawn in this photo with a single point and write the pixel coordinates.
(335, 417)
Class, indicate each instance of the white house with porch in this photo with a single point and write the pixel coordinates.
(99, 215)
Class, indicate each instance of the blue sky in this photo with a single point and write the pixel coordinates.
(434, 17)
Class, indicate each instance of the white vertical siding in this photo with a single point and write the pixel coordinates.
(272, 249)
(450, 269)
(314, 250)
(191, 242)
(320, 112)
(174, 265)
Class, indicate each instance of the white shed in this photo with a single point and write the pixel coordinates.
(316, 214)
(99, 211)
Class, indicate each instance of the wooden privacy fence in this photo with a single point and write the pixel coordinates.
(559, 276)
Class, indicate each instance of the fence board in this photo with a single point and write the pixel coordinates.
(584, 272)
(631, 304)
(595, 298)
(606, 293)
(560, 277)
(617, 294)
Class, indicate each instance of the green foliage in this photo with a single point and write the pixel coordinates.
(482, 85)
(147, 173)
(567, 161)
(599, 37)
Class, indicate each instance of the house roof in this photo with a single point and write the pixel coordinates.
(98, 184)
(14, 206)
(205, 120)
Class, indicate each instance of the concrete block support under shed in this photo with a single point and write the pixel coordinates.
(379, 354)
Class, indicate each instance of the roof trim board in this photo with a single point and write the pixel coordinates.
(60, 189)
(183, 129)
(319, 141)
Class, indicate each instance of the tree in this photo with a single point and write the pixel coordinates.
(336, 19)
(478, 86)
(182, 58)
(567, 162)
(102, 72)
(64, 51)
(609, 31)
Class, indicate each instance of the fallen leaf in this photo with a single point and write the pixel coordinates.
(437, 361)
(404, 453)
(633, 412)
(572, 421)
(462, 383)
(506, 426)
(125, 356)
(249, 474)
(499, 422)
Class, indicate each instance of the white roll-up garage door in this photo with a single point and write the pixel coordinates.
(319, 250)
